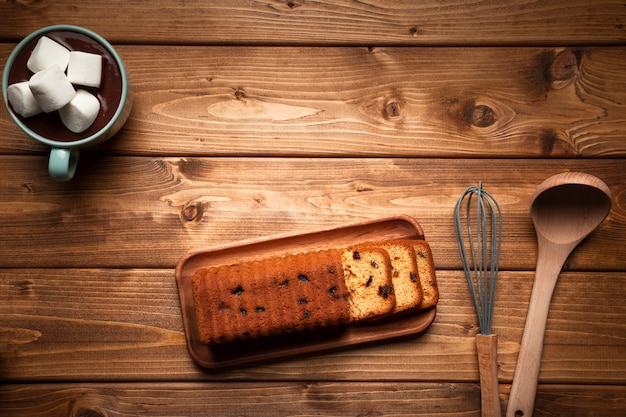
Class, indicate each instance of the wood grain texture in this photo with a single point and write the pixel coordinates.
(237, 399)
(291, 399)
(256, 117)
(149, 212)
(124, 325)
(425, 102)
(263, 22)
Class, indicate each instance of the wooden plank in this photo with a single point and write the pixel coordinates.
(148, 212)
(239, 398)
(344, 22)
(434, 102)
(288, 399)
(416, 399)
(125, 325)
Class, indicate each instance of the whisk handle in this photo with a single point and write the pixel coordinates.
(487, 346)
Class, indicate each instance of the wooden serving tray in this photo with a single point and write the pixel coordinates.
(296, 344)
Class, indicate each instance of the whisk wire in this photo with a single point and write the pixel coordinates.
(484, 250)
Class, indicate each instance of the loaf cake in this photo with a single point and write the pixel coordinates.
(404, 274)
(367, 271)
(315, 289)
(271, 296)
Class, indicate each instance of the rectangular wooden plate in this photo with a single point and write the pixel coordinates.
(290, 345)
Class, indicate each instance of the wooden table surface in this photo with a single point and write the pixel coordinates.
(256, 118)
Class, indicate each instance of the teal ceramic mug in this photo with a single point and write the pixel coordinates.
(114, 94)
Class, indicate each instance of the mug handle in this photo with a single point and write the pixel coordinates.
(62, 163)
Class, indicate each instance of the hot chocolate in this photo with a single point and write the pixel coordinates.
(109, 93)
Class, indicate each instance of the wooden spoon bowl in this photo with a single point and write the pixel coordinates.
(567, 207)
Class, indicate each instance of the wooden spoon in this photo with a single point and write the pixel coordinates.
(565, 209)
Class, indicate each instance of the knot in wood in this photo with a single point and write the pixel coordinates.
(483, 116)
(193, 212)
(23, 286)
(240, 94)
(564, 66)
(392, 110)
(555, 143)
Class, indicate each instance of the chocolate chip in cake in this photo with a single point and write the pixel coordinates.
(356, 255)
(302, 278)
(369, 281)
(413, 277)
(237, 291)
(284, 284)
(385, 291)
(374, 264)
(333, 292)
(421, 254)
(307, 314)
(302, 301)
(259, 310)
(243, 311)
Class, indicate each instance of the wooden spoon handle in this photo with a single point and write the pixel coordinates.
(487, 347)
(524, 387)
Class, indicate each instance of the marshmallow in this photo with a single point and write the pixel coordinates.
(85, 69)
(51, 88)
(22, 99)
(81, 112)
(46, 54)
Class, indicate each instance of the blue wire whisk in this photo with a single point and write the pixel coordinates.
(478, 227)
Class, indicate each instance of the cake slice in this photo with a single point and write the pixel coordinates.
(367, 271)
(404, 274)
(426, 268)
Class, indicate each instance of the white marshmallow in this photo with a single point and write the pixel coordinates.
(85, 69)
(22, 99)
(46, 54)
(81, 112)
(51, 88)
